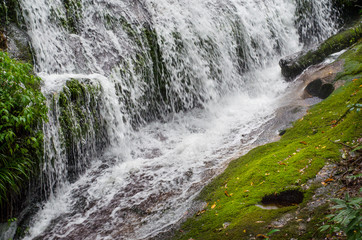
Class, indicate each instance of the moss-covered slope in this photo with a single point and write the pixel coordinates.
(231, 211)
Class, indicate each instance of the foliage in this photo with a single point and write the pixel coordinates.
(22, 110)
(347, 218)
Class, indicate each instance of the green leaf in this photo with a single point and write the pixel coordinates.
(324, 228)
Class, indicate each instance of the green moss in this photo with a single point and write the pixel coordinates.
(352, 66)
(81, 122)
(10, 12)
(287, 164)
(334, 44)
(70, 17)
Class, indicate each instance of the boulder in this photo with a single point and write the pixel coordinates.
(314, 87)
(294, 65)
(326, 90)
(318, 88)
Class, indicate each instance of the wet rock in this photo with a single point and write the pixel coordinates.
(225, 225)
(282, 132)
(314, 87)
(289, 66)
(295, 64)
(3, 42)
(7, 231)
(326, 90)
(318, 88)
(18, 44)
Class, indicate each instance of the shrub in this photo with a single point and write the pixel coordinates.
(347, 218)
(22, 110)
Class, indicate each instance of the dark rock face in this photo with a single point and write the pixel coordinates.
(326, 90)
(314, 87)
(348, 8)
(286, 198)
(290, 68)
(3, 42)
(319, 89)
(293, 65)
(18, 44)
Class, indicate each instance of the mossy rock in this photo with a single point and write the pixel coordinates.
(18, 44)
(293, 65)
(10, 12)
(348, 8)
(83, 128)
(13, 36)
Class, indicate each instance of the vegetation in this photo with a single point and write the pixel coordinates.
(22, 110)
(348, 217)
(287, 164)
(294, 66)
(81, 123)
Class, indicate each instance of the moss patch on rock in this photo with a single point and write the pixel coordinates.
(279, 166)
(353, 60)
(82, 127)
(294, 65)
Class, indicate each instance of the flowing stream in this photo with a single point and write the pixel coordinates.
(181, 87)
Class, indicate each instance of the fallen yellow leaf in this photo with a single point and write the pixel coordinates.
(213, 206)
(261, 236)
(329, 180)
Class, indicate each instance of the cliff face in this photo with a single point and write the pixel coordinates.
(13, 36)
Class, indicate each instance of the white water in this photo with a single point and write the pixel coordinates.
(220, 56)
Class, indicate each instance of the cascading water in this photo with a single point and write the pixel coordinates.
(149, 100)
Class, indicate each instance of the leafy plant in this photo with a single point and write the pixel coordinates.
(347, 217)
(22, 110)
(271, 232)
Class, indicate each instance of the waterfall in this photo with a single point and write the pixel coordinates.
(148, 100)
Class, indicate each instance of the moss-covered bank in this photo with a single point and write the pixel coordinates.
(231, 198)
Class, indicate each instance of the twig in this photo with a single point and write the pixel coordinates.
(341, 144)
